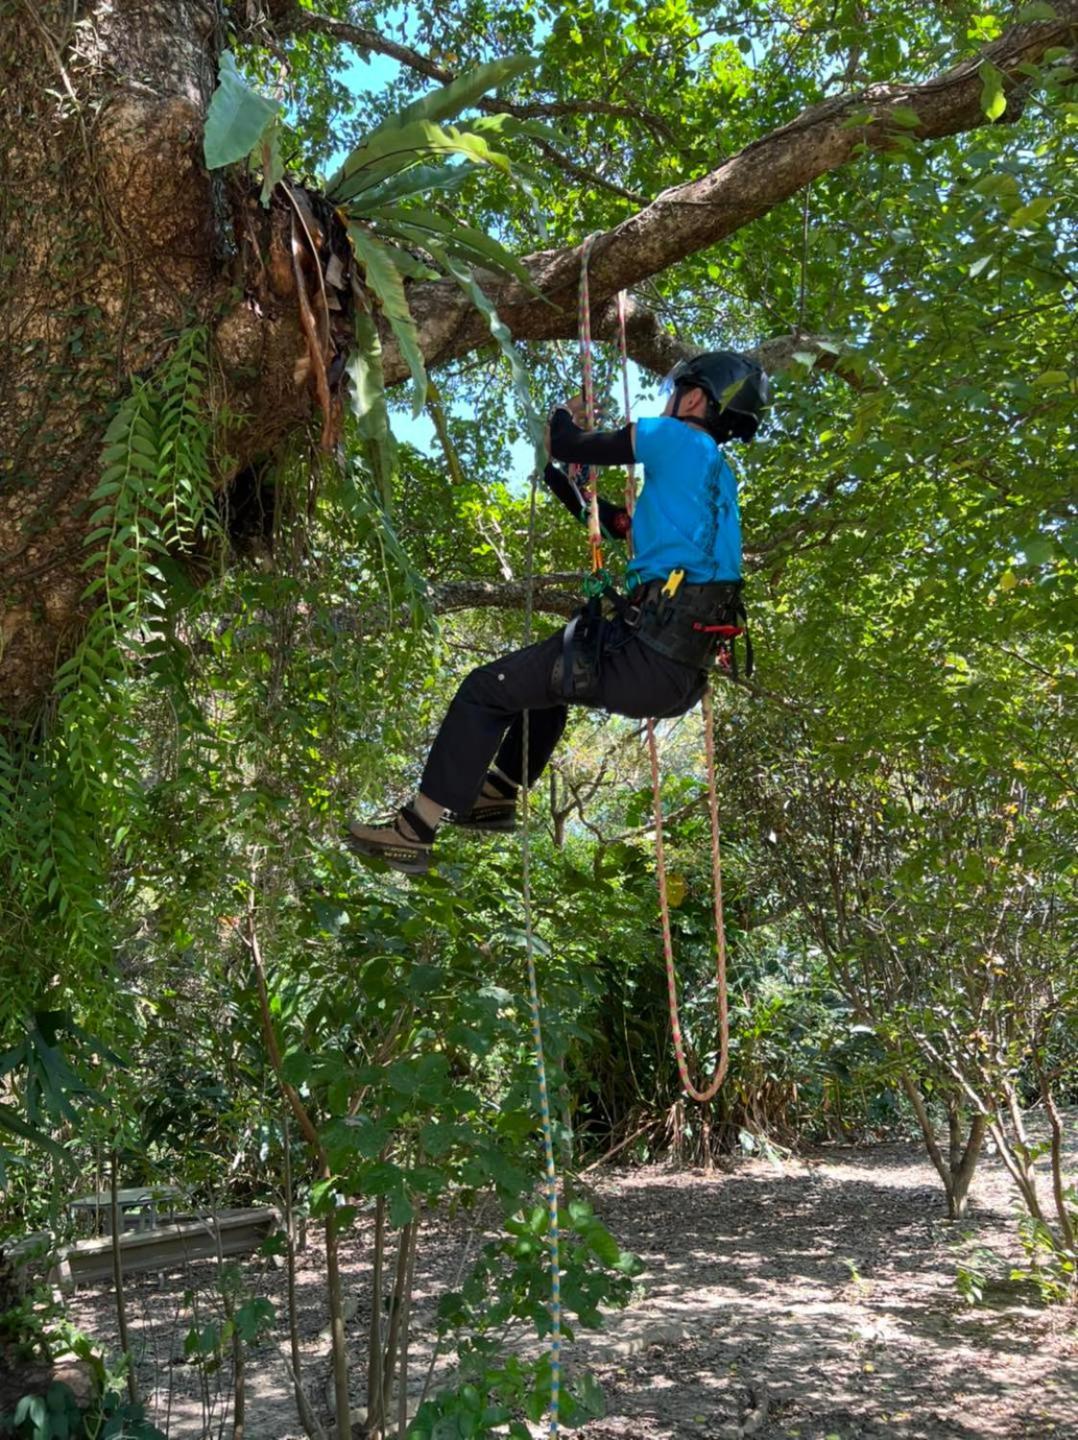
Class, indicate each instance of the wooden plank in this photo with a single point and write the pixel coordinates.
(167, 1247)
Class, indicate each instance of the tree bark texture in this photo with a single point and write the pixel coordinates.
(107, 246)
(113, 238)
(956, 1169)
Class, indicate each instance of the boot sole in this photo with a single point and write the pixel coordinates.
(406, 862)
(485, 827)
(494, 819)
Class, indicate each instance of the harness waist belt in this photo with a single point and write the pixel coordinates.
(693, 625)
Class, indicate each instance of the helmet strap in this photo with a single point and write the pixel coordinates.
(701, 424)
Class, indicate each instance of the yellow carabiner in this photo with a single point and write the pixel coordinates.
(673, 580)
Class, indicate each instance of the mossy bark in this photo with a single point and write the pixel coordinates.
(113, 239)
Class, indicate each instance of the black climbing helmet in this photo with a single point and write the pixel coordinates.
(736, 386)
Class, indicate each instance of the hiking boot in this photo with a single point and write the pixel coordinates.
(495, 811)
(493, 816)
(406, 843)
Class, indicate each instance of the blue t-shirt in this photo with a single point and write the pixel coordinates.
(686, 515)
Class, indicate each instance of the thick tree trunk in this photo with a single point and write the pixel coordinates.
(113, 239)
(108, 245)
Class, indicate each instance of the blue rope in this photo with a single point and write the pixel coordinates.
(537, 1030)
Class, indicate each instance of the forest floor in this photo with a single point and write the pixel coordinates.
(812, 1299)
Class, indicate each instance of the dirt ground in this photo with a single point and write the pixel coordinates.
(813, 1300)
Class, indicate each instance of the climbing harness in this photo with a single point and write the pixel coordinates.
(696, 625)
(536, 1025)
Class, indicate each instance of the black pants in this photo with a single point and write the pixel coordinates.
(484, 723)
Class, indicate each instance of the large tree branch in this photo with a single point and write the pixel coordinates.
(653, 347)
(142, 230)
(554, 594)
(690, 217)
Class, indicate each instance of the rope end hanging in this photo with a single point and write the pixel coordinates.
(545, 1123)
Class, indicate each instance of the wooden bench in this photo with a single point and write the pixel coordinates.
(166, 1247)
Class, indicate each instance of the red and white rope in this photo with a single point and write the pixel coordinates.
(712, 1088)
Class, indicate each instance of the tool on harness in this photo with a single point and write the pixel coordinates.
(693, 624)
(578, 669)
(598, 583)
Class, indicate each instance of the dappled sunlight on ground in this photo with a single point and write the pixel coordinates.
(807, 1301)
(825, 1307)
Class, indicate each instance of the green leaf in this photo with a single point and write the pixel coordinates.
(419, 180)
(1030, 214)
(15, 1125)
(383, 277)
(466, 89)
(466, 280)
(237, 118)
(254, 1316)
(369, 399)
(296, 1067)
(905, 116)
(504, 340)
(267, 156)
(1038, 550)
(993, 99)
(401, 1211)
(858, 119)
(32, 1408)
(590, 1397)
(388, 152)
(602, 1243)
(1051, 377)
(518, 129)
(468, 244)
(441, 428)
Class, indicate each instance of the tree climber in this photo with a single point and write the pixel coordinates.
(650, 658)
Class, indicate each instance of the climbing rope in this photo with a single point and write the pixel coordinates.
(657, 804)
(598, 580)
(719, 1076)
(627, 410)
(533, 1001)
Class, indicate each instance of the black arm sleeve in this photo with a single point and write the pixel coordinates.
(589, 447)
(614, 519)
(563, 489)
